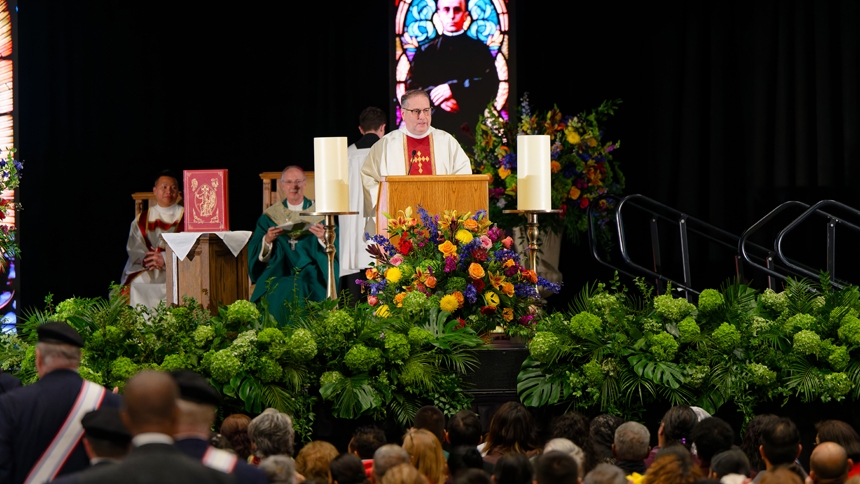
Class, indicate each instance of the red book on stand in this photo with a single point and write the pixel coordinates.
(205, 195)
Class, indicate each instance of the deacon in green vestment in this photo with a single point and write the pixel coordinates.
(289, 248)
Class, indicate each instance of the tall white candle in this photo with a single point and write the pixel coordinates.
(330, 175)
(533, 172)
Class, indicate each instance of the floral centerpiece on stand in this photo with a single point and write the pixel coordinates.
(582, 168)
(459, 263)
(10, 176)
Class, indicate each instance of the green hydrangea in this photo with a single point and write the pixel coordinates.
(760, 325)
(455, 284)
(593, 373)
(203, 334)
(674, 309)
(360, 358)
(418, 337)
(697, 374)
(710, 300)
(68, 308)
(773, 301)
(663, 346)
(95, 342)
(268, 370)
(849, 330)
(174, 362)
(726, 337)
(799, 322)
(603, 301)
(206, 362)
(827, 347)
(413, 375)
(88, 373)
(335, 328)
(818, 302)
(434, 265)
(302, 346)
(415, 301)
(584, 325)
(836, 386)
(840, 312)
(807, 342)
(542, 345)
(609, 367)
(839, 358)
(554, 323)
(760, 374)
(272, 341)
(330, 377)
(122, 368)
(242, 311)
(651, 325)
(224, 365)
(244, 346)
(397, 346)
(688, 329)
(113, 335)
(407, 270)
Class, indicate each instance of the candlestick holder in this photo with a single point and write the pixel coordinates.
(532, 232)
(328, 224)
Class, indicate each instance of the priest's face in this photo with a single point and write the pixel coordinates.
(419, 124)
(452, 13)
(293, 183)
(166, 191)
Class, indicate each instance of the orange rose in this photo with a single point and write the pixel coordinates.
(371, 274)
(574, 193)
(430, 282)
(508, 289)
(470, 225)
(554, 166)
(460, 299)
(476, 271)
(399, 299)
(448, 249)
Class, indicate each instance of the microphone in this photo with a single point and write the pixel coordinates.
(412, 160)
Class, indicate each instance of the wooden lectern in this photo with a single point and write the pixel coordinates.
(437, 193)
(210, 273)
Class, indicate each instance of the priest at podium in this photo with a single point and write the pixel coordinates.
(290, 249)
(416, 149)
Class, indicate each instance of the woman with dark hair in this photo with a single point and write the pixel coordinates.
(513, 468)
(751, 441)
(843, 434)
(347, 469)
(512, 429)
(235, 429)
(601, 432)
(575, 427)
(675, 427)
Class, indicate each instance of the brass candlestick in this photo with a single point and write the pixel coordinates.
(532, 232)
(330, 250)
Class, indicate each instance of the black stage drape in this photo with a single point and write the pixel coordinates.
(728, 108)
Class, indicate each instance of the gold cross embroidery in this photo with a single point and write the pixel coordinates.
(420, 159)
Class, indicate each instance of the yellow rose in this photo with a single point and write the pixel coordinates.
(393, 274)
(508, 314)
(476, 271)
(554, 166)
(574, 193)
(448, 303)
(383, 311)
(448, 249)
(508, 289)
(491, 298)
(503, 173)
(464, 236)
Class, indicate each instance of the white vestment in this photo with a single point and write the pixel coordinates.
(352, 252)
(149, 287)
(388, 157)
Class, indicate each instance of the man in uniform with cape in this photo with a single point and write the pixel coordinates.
(290, 249)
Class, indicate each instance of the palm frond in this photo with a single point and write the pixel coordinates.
(676, 396)
(801, 295)
(581, 302)
(276, 396)
(294, 377)
(459, 360)
(352, 396)
(536, 389)
(805, 378)
(740, 300)
(424, 370)
(638, 388)
(404, 407)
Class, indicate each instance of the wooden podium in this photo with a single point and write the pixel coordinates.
(210, 273)
(437, 193)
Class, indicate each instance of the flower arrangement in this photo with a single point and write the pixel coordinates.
(10, 176)
(459, 263)
(581, 165)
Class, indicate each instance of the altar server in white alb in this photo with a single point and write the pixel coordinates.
(415, 149)
(144, 275)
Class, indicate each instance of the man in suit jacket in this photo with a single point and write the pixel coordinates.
(106, 441)
(150, 414)
(33, 416)
(8, 382)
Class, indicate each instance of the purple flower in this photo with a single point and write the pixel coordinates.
(549, 286)
(556, 151)
(450, 264)
(496, 234)
(527, 319)
(480, 214)
(509, 161)
(526, 290)
(610, 148)
(430, 223)
(470, 293)
(385, 244)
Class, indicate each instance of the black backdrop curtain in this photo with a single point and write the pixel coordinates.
(728, 108)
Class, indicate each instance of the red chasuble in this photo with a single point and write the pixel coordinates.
(419, 156)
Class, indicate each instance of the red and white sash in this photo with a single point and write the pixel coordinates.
(55, 456)
(220, 460)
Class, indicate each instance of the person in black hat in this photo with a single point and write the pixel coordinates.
(32, 418)
(106, 441)
(198, 402)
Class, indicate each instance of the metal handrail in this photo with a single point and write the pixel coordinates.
(742, 249)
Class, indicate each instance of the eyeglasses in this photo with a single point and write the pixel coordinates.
(416, 112)
(294, 182)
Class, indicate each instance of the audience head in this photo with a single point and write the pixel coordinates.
(104, 434)
(472, 476)
(386, 457)
(365, 440)
(513, 468)
(271, 433)
(149, 403)
(425, 452)
(631, 441)
(464, 428)
(829, 463)
(280, 469)
(347, 469)
(602, 435)
(673, 464)
(220, 442)
(575, 427)
(842, 433)
(58, 347)
(677, 426)
(198, 401)
(372, 120)
(780, 442)
(314, 458)
(166, 188)
(732, 461)
(512, 429)
(605, 474)
(293, 183)
(711, 436)
(403, 474)
(464, 457)
(235, 429)
(556, 467)
(432, 419)
(564, 445)
(751, 441)
(781, 475)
